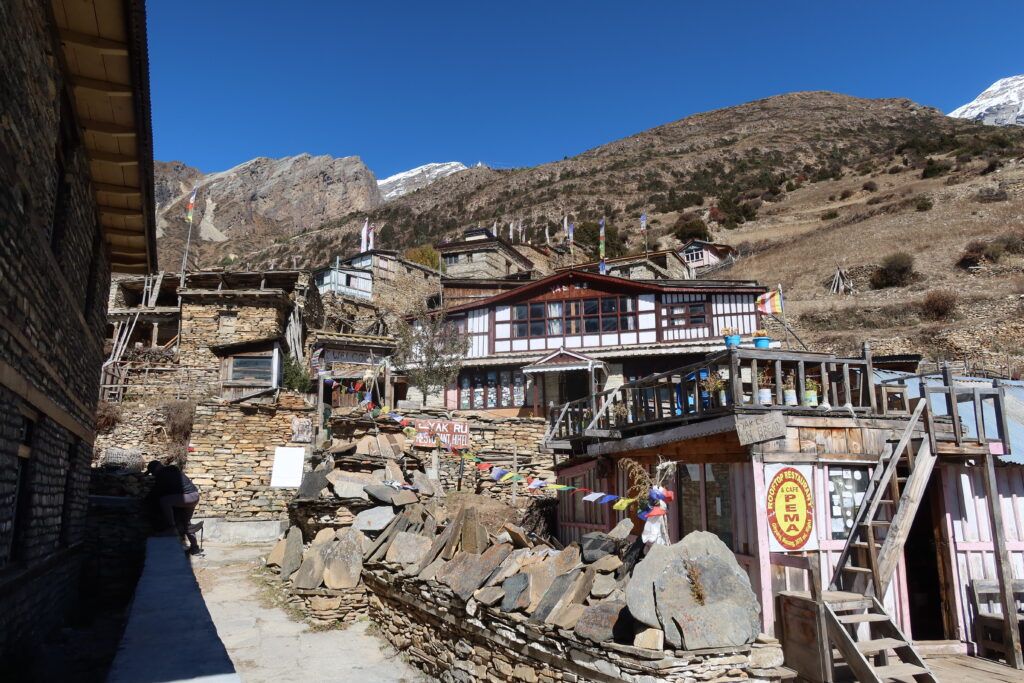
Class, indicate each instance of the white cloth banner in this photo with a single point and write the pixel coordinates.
(287, 468)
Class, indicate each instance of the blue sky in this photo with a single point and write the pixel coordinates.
(521, 83)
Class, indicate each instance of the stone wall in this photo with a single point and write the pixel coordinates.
(140, 428)
(53, 290)
(231, 454)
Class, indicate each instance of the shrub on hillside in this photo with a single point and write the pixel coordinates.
(178, 417)
(938, 304)
(924, 204)
(877, 199)
(690, 226)
(934, 169)
(893, 170)
(992, 166)
(107, 416)
(425, 255)
(896, 270)
(870, 186)
(846, 194)
(830, 215)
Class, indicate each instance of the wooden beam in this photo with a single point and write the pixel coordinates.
(112, 158)
(16, 383)
(104, 46)
(107, 128)
(122, 232)
(102, 87)
(1004, 568)
(121, 190)
(118, 211)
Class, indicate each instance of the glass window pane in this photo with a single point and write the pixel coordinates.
(554, 327)
(609, 304)
(536, 310)
(492, 389)
(536, 328)
(555, 309)
(609, 324)
(572, 326)
(252, 368)
(698, 320)
(627, 304)
(519, 389)
(519, 312)
(573, 307)
(590, 306)
(465, 393)
(506, 388)
(844, 485)
(689, 494)
(519, 330)
(627, 322)
(478, 391)
(591, 325)
(718, 494)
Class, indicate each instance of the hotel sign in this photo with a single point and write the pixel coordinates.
(452, 433)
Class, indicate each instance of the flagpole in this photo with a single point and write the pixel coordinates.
(188, 239)
(782, 305)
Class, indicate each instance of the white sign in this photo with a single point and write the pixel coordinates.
(287, 469)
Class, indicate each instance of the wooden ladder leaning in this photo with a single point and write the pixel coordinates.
(858, 626)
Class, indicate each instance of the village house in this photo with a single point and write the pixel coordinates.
(482, 254)
(667, 264)
(384, 267)
(702, 256)
(344, 280)
(571, 334)
(76, 203)
(902, 515)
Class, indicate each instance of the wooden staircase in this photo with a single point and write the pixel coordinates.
(865, 637)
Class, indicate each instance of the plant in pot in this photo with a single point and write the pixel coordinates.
(764, 387)
(811, 389)
(714, 384)
(789, 390)
(732, 337)
(761, 339)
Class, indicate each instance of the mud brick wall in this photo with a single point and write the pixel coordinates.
(452, 640)
(53, 290)
(231, 454)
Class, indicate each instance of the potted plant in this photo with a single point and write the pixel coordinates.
(761, 339)
(789, 390)
(811, 389)
(732, 337)
(714, 384)
(764, 389)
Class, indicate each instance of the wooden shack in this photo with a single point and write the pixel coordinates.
(904, 520)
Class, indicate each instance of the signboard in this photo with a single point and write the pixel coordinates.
(453, 433)
(287, 468)
(767, 427)
(789, 504)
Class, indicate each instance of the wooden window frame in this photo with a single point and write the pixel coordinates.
(472, 373)
(685, 320)
(579, 318)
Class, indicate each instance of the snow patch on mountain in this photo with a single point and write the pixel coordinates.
(1002, 104)
(405, 182)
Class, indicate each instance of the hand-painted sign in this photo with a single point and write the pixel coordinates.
(453, 433)
(789, 504)
(767, 427)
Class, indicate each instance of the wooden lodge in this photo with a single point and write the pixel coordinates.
(910, 538)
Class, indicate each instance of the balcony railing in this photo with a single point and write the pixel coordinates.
(725, 382)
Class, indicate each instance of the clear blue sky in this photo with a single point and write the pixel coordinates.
(524, 82)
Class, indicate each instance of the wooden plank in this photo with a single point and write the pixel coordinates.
(103, 46)
(1011, 635)
(103, 87)
(107, 128)
(899, 530)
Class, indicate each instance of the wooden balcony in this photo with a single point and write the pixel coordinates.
(733, 381)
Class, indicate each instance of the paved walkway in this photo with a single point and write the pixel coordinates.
(266, 645)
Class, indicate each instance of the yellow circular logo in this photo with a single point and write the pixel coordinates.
(790, 509)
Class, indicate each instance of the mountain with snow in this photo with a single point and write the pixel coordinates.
(405, 182)
(1002, 104)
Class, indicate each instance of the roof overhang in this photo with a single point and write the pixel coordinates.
(564, 360)
(103, 44)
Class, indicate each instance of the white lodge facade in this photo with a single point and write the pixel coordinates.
(574, 333)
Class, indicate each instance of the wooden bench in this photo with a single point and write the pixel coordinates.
(988, 617)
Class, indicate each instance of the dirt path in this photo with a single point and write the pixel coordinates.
(266, 645)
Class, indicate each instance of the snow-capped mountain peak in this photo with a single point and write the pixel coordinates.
(405, 182)
(1002, 104)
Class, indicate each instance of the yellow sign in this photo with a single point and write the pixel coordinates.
(790, 507)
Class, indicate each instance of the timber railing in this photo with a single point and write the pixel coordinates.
(973, 416)
(741, 380)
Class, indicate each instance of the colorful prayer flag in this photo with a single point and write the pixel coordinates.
(593, 497)
(623, 503)
(363, 235)
(603, 267)
(643, 221)
(770, 302)
(192, 203)
(607, 499)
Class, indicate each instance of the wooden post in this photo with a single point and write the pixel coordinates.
(735, 378)
(515, 469)
(156, 332)
(869, 379)
(318, 424)
(389, 390)
(1004, 568)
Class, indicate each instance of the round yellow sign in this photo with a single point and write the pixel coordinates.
(790, 509)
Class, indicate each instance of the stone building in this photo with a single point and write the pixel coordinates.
(76, 202)
(654, 265)
(482, 254)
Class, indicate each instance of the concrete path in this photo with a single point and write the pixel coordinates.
(266, 645)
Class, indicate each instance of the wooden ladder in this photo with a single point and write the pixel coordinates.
(869, 559)
(868, 641)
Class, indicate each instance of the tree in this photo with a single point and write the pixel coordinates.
(425, 255)
(296, 377)
(430, 349)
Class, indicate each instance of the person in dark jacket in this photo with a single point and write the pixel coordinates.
(176, 497)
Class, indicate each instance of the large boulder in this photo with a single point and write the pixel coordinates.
(696, 592)
(596, 545)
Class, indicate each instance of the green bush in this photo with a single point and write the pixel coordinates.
(934, 169)
(896, 270)
(296, 377)
(830, 215)
(846, 194)
(923, 204)
(938, 304)
(689, 226)
(870, 186)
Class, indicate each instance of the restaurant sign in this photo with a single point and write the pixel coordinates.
(789, 504)
(452, 433)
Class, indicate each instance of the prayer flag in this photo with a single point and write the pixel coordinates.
(192, 203)
(483, 466)
(770, 302)
(643, 221)
(370, 236)
(603, 267)
(363, 234)
(565, 226)
(537, 484)
(507, 476)
(607, 499)
(593, 497)
(656, 512)
(497, 473)
(623, 503)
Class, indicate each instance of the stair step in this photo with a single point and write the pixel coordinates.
(861, 618)
(858, 570)
(899, 670)
(869, 647)
(846, 605)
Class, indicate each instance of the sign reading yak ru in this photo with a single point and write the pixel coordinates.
(453, 433)
(789, 503)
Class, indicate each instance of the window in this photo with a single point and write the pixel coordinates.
(575, 316)
(451, 259)
(469, 257)
(846, 487)
(693, 314)
(693, 254)
(483, 389)
(255, 368)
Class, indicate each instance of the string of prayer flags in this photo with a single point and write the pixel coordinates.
(497, 473)
(607, 499)
(593, 497)
(623, 503)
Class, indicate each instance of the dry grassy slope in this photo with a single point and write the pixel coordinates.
(799, 250)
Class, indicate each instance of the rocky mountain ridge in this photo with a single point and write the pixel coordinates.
(1001, 104)
(417, 178)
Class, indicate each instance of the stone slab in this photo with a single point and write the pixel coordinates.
(607, 564)
(311, 571)
(343, 561)
(490, 595)
(559, 588)
(404, 497)
(292, 558)
(622, 530)
(603, 586)
(312, 484)
(596, 545)
(374, 519)
(603, 622)
(325, 535)
(650, 639)
(516, 593)
(407, 548)
(380, 493)
(277, 554)
(477, 569)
